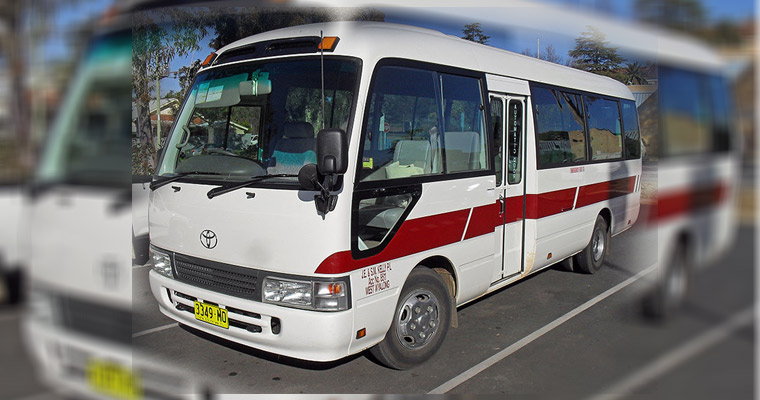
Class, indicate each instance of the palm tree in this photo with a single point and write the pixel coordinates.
(634, 74)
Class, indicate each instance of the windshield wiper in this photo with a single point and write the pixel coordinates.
(235, 186)
(169, 179)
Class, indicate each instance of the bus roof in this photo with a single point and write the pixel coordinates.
(373, 41)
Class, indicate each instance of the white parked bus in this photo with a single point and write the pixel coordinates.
(319, 197)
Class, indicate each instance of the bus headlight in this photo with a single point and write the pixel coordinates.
(161, 262)
(287, 292)
(314, 295)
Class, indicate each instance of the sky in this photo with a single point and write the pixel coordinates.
(58, 44)
(515, 41)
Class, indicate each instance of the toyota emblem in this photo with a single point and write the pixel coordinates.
(208, 239)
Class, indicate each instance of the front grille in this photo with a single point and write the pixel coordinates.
(222, 278)
(110, 323)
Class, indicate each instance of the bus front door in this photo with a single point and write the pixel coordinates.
(508, 118)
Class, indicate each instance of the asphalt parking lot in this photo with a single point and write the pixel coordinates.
(556, 334)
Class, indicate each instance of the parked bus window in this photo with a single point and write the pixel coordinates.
(685, 119)
(402, 126)
(604, 128)
(497, 120)
(721, 116)
(631, 126)
(514, 145)
(559, 127)
(464, 138)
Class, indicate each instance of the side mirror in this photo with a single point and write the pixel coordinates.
(332, 151)
(308, 177)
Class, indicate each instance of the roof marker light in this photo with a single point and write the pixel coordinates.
(328, 43)
(208, 59)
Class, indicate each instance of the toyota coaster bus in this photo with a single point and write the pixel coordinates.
(332, 188)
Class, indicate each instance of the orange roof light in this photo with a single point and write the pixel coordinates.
(328, 43)
(208, 59)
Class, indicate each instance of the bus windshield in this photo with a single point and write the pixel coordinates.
(89, 143)
(259, 119)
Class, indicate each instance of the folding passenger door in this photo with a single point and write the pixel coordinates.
(508, 120)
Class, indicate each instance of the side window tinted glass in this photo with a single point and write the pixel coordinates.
(497, 120)
(684, 119)
(401, 137)
(464, 136)
(631, 125)
(560, 129)
(604, 126)
(514, 141)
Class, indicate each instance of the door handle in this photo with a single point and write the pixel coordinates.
(502, 205)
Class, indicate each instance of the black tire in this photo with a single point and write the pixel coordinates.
(140, 251)
(420, 323)
(671, 288)
(14, 283)
(592, 257)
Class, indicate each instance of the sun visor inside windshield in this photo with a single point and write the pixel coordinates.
(223, 92)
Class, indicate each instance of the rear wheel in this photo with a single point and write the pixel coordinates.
(591, 258)
(671, 289)
(420, 323)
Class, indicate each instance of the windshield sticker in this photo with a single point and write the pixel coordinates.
(367, 163)
(202, 92)
(215, 93)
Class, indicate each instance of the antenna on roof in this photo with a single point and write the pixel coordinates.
(322, 74)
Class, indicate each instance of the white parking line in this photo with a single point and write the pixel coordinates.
(153, 330)
(483, 365)
(676, 357)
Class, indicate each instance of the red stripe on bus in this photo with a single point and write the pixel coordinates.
(549, 203)
(484, 219)
(689, 200)
(414, 236)
(426, 233)
(602, 191)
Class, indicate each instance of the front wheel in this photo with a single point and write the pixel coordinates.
(592, 257)
(420, 323)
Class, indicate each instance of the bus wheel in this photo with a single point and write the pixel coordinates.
(420, 323)
(671, 289)
(592, 257)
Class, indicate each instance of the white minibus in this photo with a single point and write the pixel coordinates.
(332, 188)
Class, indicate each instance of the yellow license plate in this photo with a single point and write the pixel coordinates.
(113, 380)
(211, 314)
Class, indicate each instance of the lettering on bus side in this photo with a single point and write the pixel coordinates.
(376, 278)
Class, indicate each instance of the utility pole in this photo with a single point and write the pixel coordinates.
(158, 112)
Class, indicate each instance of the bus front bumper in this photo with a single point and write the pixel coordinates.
(303, 334)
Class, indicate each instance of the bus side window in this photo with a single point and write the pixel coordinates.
(560, 127)
(464, 136)
(631, 126)
(497, 120)
(604, 128)
(514, 145)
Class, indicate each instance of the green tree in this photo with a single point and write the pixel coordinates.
(634, 74)
(157, 37)
(231, 24)
(592, 53)
(474, 33)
